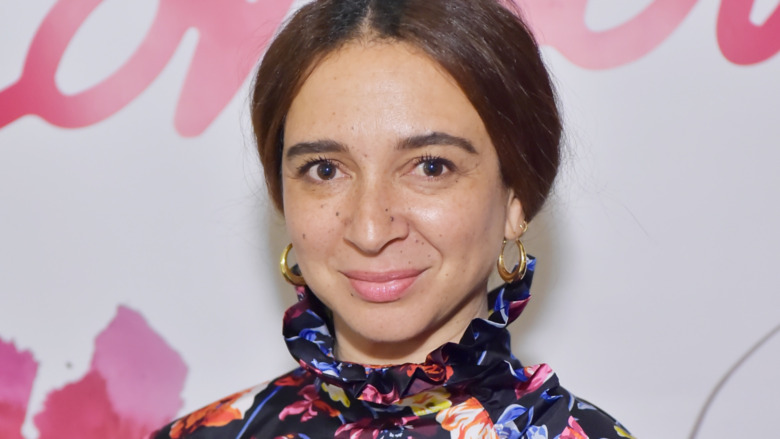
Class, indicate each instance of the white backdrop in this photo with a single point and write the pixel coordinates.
(657, 254)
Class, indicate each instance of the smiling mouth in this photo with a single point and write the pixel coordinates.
(382, 287)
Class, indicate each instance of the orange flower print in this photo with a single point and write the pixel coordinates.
(215, 415)
(433, 371)
(291, 380)
(573, 430)
(467, 420)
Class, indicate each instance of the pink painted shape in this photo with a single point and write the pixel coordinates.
(132, 388)
(561, 24)
(144, 376)
(232, 35)
(742, 42)
(82, 410)
(17, 373)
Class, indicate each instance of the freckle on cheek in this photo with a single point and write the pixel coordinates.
(303, 236)
(337, 214)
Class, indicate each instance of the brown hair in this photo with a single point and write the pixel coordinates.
(484, 46)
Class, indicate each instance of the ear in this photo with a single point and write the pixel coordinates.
(514, 218)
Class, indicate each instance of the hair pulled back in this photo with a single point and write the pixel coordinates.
(486, 48)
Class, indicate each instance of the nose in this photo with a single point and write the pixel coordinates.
(376, 219)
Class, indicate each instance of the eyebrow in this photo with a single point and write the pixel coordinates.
(414, 142)
(437, 138)
(315, 147)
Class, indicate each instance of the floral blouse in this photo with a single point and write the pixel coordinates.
(472, 389)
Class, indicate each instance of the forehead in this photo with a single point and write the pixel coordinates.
(380, 88)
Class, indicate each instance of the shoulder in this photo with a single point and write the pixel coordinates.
(221, 413)
(228, 415)
(595, 422)
(540, 408)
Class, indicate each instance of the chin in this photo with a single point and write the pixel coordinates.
(388, 326)
(393, 336)
(399, 333)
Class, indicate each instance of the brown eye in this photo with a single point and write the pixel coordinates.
(326, 170)
(432, 168)
(320, 169)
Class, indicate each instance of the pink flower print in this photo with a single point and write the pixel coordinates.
(372, 394)
(535, 376)
(372, 428)
(311, 405)
(573, 430)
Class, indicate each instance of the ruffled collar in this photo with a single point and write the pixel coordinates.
(482, 353)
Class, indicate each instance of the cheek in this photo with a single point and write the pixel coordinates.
(466, 219)
(314, 224)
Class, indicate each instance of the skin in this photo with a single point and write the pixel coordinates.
(387, 167)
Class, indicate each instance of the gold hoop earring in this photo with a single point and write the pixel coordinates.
(520, 269)
(289, 275)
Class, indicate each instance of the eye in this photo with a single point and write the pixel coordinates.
(320, 169)
(325, 170)
(432, 166)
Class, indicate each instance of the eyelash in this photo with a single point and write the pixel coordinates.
(310, 163)
(431, 158)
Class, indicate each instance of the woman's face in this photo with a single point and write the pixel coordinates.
(393, 200)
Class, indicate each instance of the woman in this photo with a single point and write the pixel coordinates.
(406, 143)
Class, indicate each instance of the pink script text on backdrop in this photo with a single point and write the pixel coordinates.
(218, 69)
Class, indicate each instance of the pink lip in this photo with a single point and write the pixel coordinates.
(381, 287)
